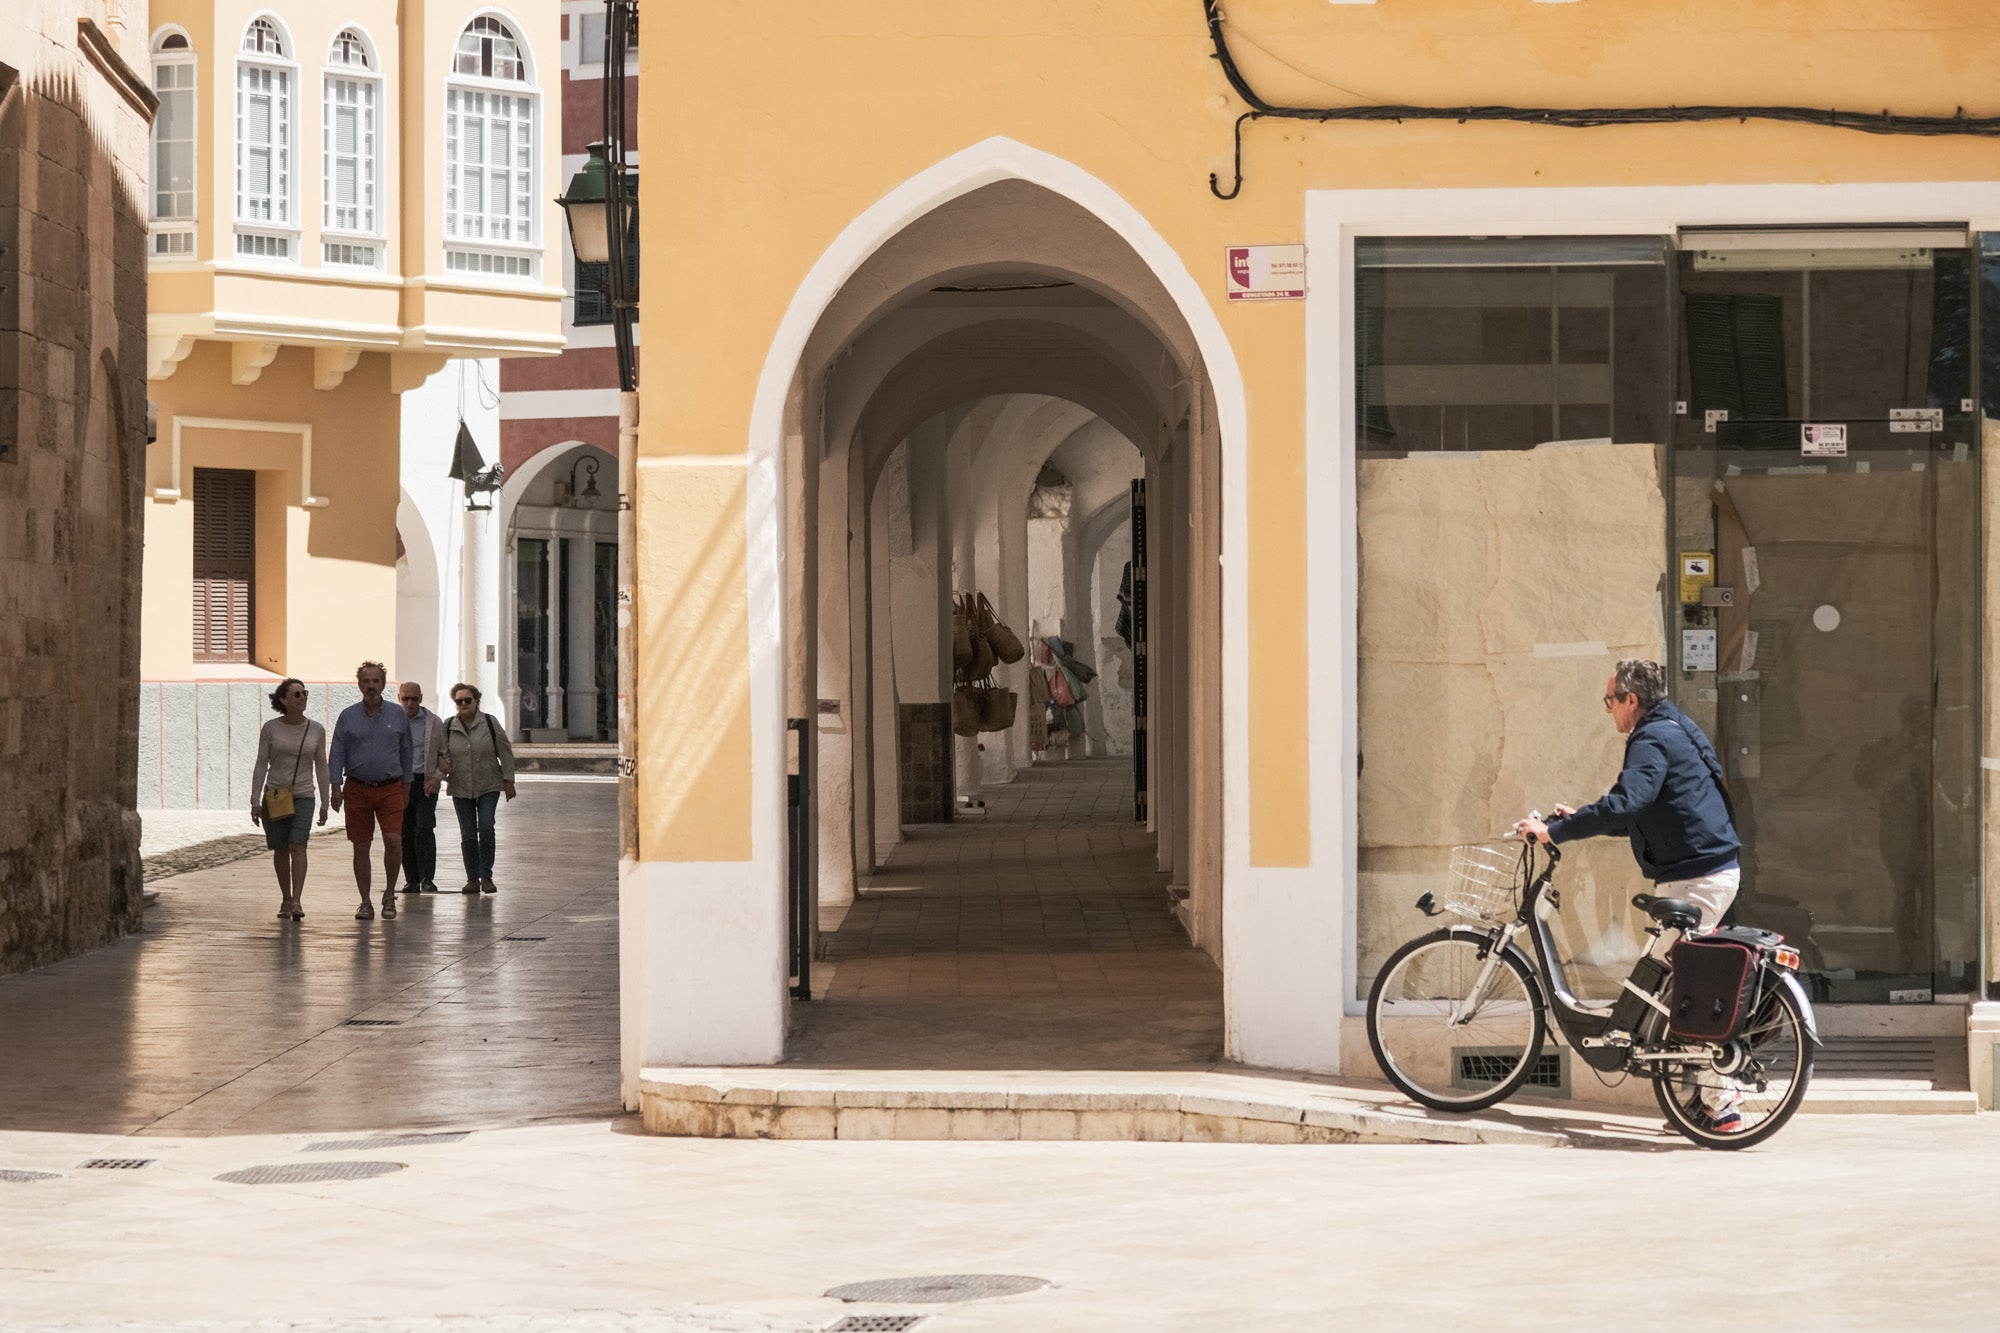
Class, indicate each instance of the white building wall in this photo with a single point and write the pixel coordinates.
(443, 630)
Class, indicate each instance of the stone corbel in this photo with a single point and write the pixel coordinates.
(247, 361)
(407, 370)
(165, 352)
(331, 364)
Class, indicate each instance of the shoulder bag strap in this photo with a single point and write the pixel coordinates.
(1714, 764)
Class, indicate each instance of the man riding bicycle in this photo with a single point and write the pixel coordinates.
(1670, 802)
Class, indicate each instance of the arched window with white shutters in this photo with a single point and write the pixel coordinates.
(490, 125)
(266, 84)
(173, 188)
(351, 131)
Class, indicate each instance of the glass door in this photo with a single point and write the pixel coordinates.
(531, 628)
(1827, 531)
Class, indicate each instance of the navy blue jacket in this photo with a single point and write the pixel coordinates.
(1668, 801)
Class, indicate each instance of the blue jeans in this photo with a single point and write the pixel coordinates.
(475, 832)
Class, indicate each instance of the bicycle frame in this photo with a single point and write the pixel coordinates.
(1583, 1024)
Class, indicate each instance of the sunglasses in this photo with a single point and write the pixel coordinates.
(462, 700)
(300, 692)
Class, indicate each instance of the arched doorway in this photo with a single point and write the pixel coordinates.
(982, 344)
(558, 595)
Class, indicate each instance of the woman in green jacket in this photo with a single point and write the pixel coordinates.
(472, 755)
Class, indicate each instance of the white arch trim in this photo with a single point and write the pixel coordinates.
(707, 939)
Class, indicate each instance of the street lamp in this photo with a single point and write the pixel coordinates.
(587, 205)
(602, 205)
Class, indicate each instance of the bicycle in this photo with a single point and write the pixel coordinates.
(1457, 1017)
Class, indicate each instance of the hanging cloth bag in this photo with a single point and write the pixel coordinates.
(1005, 643)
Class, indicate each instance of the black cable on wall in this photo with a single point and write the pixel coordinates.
(1884, 122)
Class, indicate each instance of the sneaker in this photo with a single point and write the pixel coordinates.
(1729, 1122)
(488, 885)
(429, 886)
(471, 886)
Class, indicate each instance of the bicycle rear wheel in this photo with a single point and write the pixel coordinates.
(1455, 1066)
(1764, 1093)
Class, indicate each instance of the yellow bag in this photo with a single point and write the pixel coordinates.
(278, 803)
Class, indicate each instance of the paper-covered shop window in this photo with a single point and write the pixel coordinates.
(1513, 539)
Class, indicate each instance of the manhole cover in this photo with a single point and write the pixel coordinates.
(116, 1163)
(20, 1177)
(372, 1022)
(875, 1323)
(938, 1290)
(308, 1173)
(387, 1141)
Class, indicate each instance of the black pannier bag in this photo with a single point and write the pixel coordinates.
(1713, 981)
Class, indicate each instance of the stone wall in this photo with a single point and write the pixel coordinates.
(74, 115)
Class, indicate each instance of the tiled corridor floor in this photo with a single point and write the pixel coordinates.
(1035, 936)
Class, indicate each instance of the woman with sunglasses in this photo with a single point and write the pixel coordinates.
(471, 753)
(291, 759)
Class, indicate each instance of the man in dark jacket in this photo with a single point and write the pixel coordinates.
(1669, 802)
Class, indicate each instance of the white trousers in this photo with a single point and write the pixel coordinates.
(1711, 893)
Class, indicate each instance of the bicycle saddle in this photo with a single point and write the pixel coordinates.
(1678, 913)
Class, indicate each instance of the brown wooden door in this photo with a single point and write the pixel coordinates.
(225, 562)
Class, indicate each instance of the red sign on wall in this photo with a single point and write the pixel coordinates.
(1267, 272)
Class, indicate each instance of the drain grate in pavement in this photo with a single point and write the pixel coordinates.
(308, 1173)
(14, 1175)
(875, 1323)
(116, 1163)
(523, 939)
(372, 1023)
(387, 1141)
(939, 1290)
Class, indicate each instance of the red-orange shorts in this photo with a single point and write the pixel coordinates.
(367, 806)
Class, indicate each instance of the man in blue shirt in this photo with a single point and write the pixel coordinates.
(370, 767)
(1669, 801)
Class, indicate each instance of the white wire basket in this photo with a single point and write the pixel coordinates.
(1483, 882)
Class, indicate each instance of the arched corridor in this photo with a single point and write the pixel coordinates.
(1036, 936)
(975, 414)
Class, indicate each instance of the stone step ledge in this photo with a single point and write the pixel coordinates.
(1821, 1100)
(1200, 1108)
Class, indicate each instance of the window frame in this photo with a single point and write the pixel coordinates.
(160, 228)
(283, 230)
(518, 259)
(371, 233)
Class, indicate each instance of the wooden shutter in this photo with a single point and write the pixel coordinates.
(225, 562)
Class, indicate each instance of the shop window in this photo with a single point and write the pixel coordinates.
(1512, 526)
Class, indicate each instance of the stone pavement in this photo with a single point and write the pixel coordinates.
(1840, 1223)
(1036, 936)
(219, 1019)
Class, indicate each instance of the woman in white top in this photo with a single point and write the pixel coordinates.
(291, 754)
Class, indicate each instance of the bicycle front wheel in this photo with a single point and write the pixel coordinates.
(1440, 1043)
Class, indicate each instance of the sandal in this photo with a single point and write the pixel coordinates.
(285, 910)
(367, 912)
(298, 914)
(388, 907)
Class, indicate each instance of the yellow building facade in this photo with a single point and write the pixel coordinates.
(343, 201)
(1408, 511)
